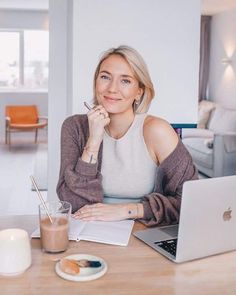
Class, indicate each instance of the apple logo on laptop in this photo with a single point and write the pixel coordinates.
(227, 214)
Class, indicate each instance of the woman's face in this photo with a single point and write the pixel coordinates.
(116, 86)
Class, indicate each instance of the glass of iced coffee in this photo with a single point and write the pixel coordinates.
(54, 232)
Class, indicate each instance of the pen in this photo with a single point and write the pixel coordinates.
(87, 105)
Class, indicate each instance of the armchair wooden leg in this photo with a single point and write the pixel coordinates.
(9, 138)
(36, 135)
(6, 136)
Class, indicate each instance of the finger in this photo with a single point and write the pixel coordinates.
(98, 108)
(86, 213)
(87, 217)
(107, 121)
(98, 112)
(103, 115)
(95, 115)
(90, 218)
(81, 215)
(75, 214)
(95, 109)
(92, 112)
(95, 215)
(79, 212)
(101, 109)
(97, 205)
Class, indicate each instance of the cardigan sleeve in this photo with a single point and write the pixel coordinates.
(162, 207)
(79, 182)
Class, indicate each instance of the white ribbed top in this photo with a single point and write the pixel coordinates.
(127, 167)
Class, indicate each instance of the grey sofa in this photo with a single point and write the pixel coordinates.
(213, 148)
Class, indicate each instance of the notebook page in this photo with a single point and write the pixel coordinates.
(76, 226)
(115, 232)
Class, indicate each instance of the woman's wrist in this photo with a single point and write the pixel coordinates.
(134, 210)
(92, 145)
(90, 153)
(89, 156)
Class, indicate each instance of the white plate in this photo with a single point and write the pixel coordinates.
(86, 273)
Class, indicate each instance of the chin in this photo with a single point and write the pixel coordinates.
(112, 111)
(110, 108)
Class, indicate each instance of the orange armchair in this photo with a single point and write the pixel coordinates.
(23, 118)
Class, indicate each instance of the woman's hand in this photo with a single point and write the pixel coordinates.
(103, 212)
(98, 118)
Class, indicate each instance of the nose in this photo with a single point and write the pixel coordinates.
(112, 87)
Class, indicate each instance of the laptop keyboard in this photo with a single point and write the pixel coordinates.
(169, 246)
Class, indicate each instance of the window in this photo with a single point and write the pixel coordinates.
(24, 59)
(9, 59)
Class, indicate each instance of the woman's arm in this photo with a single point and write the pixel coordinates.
(109, 212)
(79, 181)
(162, 207)
(175, 167)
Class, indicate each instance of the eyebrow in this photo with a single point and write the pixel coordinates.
(124, 75)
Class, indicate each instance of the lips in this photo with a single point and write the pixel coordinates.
(112, 98)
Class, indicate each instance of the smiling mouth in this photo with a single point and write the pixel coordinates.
(112, 98)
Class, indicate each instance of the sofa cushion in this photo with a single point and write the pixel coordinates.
(204, 110)
(199, 151)
(223, 120)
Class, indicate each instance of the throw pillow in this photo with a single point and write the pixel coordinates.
(223, 120)
(204, 110)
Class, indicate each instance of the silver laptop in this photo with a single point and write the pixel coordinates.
(207, 222)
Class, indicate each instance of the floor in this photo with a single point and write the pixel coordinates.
(16, 166)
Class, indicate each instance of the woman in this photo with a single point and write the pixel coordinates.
(118, 162)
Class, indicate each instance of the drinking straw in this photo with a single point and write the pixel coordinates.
(40, 197)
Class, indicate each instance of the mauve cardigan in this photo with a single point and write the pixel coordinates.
(80, 183)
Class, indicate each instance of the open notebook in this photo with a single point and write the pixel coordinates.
(115, 232)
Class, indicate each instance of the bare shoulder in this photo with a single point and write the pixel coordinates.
(160, 137)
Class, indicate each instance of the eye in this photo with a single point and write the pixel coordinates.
(104, 77)
(125, 81)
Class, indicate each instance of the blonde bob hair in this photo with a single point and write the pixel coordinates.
(140, 70)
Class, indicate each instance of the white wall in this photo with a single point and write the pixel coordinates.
(60, 83)
(166, 33)
(222, 81)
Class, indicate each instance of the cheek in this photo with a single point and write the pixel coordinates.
(132, 93)
(100, 87)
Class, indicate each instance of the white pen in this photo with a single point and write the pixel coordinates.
(87, 105)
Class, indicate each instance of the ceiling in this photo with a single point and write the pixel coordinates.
(209, 7)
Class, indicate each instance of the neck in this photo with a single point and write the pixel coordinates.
(119, 125)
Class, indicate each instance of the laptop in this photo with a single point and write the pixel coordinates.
(207, 222)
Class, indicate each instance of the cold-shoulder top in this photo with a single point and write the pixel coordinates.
(80, 183)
